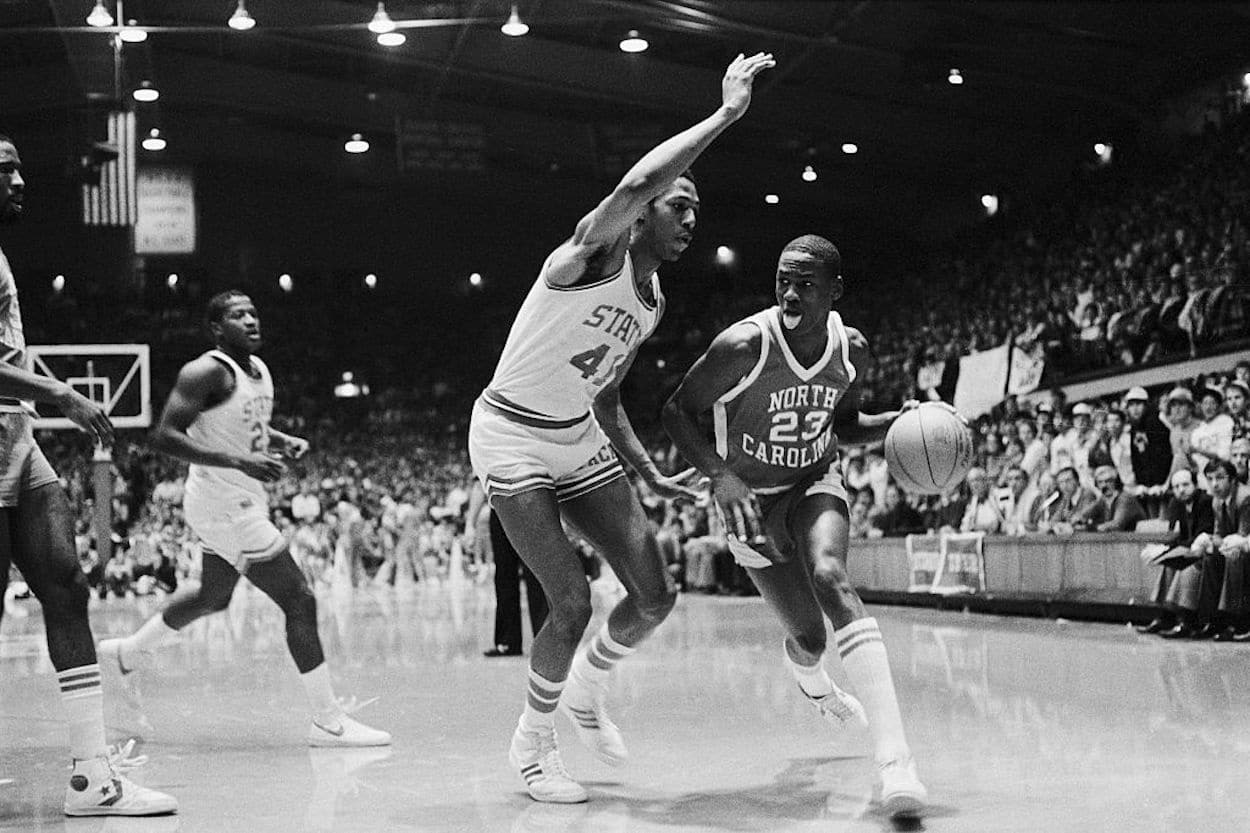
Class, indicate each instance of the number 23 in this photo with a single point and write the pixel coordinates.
(786, 424)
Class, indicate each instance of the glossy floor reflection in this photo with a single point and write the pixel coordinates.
(1018, 725)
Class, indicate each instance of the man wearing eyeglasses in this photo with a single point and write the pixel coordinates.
(1115, 510)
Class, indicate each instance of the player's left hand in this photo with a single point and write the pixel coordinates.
(687, 484)
(295, 447)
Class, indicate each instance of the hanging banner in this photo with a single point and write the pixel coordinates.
(166, 223)
(924, 557)
(1026, 371)
(982, 380)
(961, 568)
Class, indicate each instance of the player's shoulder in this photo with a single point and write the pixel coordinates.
(576, 262)
(741, 338)
(206, 371)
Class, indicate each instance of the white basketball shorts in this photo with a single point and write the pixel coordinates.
(239, 531)
(510, 458)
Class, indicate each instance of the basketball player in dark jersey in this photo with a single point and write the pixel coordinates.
(781, 386)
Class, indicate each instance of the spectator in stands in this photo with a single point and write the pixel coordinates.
(1236, 395)
(1114, 447)
(305, 506)
(898, 517)
(1212, 438)
(1071, 448)
(947, 510)
(861, 506)
(1239, 456)
(1035, 453)
(1019, 503)
(1151, 450)
(1115, 510)
(1223, 595)
(1181, 424)
(1069, 501)
(983, 513)
(1189, 513)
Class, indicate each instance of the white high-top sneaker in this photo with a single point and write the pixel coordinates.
(98, 787)
(902, 794)
(535, 755)
(584, 703)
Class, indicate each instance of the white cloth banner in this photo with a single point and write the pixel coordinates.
(982, 380)
(1026, 371)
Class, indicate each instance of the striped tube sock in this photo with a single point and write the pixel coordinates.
(595, 662)
(868, 668)
(540, 702)
(84, 710)
(813, 679)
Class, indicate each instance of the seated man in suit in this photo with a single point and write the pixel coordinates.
(1115, 511)
(1189, 513)
(898, 518)
(1224, 560)
(1069, 502)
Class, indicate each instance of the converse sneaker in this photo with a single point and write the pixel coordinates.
(838, 708)
(902, 794)
(583, 703)
(535, 755)
(99, 787)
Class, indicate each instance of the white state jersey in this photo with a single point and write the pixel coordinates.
(567, 343)
(239, 425)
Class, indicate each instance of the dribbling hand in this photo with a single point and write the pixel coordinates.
(261, 467)
(735, 87)
(88, 416)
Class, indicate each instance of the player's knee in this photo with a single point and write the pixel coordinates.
(831, 579)
(303, 605)
(570, 614)
(67, 596)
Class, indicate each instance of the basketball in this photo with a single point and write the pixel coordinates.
(929, 449)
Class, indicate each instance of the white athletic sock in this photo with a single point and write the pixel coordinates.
(150, 635)
(84, 710)
(321, 697)
(868, 668)
(595, 662)
(540, 702)
(813, 679)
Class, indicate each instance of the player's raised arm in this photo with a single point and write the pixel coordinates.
(729, 359)
(202, 384)
(610, 221)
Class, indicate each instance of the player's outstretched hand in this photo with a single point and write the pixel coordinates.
(688, 484)
(738, 506)
(295, 447)
(88, 416)
(262, 467)
(735, 87)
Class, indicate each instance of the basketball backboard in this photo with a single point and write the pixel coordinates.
(116, 376)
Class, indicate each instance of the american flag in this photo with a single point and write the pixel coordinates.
(114, 202)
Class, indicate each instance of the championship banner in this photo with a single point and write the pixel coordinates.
(982, 380)
(1026, 371)
(924, 558)
(961, 568)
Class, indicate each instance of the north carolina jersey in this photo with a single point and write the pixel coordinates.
(568, 342)
(239, 425)
(775, 427)
(12, 338)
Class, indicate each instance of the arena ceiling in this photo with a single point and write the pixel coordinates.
(1042, 83)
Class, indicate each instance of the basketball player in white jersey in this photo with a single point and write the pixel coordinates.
(781, 388)
(217, 419)
(541, 453)
(36, 534)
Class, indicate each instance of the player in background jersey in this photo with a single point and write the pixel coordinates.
(217, 419)
(781, 386)
(541, 453)
(36, 534)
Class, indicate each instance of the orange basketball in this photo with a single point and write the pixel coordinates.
(929, 449)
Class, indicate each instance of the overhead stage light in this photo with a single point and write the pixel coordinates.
(633, 42)
(515, 27)
(241, 20)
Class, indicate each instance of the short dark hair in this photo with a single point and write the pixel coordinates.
(1225, 466)
(1068, 470)
(818, 247)
(219, 303)
(1117, 412)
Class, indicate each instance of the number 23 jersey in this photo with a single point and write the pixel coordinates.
(568, 342)
(775, 427)
(240, 425)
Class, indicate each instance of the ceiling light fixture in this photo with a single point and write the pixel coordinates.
(146, 93)
(515, 27)
(154, 140)
(392, 39)
(131, 34)
(634, 42)
(285, 282)
(356, 144)
(772, 199)
(381, 23)
(99, 17)
(241, 20)
(955, 77)
(809, 174)
(850, 148)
